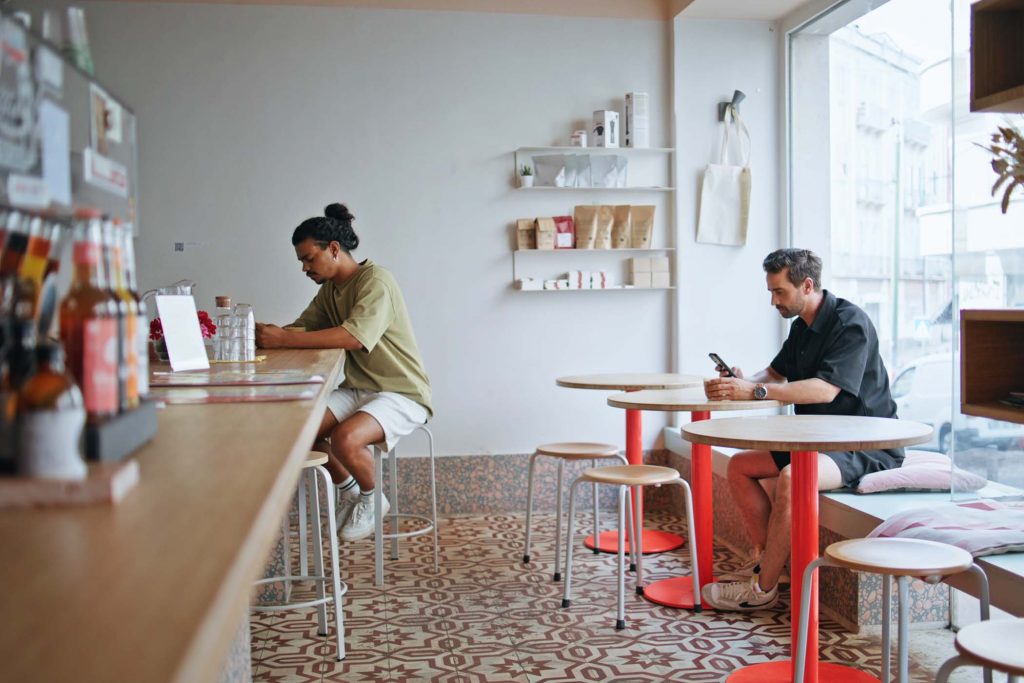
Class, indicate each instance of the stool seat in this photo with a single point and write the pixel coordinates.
(995, 644)
(315, 458)
(577, 450)
(631, 475)
(900, 556)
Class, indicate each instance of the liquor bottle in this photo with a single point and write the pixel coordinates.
(51, 415)
(76, 49)
(142, 327)
(88, 322)
(37, 253)
(48, 296)
(14, 245)
(8, 396)
(127, 321)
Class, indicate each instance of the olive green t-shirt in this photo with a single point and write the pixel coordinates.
(371, 308)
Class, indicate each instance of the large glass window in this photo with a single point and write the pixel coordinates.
(890, 183)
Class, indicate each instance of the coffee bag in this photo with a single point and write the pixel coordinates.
(526, 234)
(565, 235)
(621, 227)
(545, 233)
(642, 219)
(605, 218)
(586, 225)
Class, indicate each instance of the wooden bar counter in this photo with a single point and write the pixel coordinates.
(156, 587)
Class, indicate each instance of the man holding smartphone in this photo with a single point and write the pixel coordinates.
(829, 365)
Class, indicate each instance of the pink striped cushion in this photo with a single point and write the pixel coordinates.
(921, 471)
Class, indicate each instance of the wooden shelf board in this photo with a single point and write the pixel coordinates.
(997, 5)
(591, 251)
(653, 188)
(1007, 101)
(600, 150)
(606, 289)
(1010, 315)
(994, 410)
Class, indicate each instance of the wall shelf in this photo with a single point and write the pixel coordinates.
(991, 362)
(997, 56)
(606, 289)
(600, 150)
(547, 188)
(592, 251)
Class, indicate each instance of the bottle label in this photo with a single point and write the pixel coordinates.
(99, 366)
(48, 444)
(142, 356)
(131, 358)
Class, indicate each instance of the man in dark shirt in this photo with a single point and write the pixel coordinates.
(829, 365)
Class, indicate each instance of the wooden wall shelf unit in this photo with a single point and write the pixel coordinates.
(997, 56)
(991, 362)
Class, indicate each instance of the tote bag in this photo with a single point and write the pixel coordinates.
(725, 192)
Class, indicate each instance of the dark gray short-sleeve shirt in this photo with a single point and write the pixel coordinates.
(841, 348)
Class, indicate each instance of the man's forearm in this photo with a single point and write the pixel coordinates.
(802, 392)
(330, 338)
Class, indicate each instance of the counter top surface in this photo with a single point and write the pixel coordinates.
(155, 588)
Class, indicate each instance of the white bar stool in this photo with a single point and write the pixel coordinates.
(563, 452)
(903, 558)
(994, 644)
(312, 470)
(626, 477)
(430, 523)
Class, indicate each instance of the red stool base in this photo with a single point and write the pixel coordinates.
(654, 542)
(677, 592)
(782, 672)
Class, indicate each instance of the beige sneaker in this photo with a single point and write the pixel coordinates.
(360, 522)
(739, 596)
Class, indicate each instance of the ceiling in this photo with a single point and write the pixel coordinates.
(763, 10)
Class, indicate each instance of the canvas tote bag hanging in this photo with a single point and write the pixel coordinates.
(725, 193)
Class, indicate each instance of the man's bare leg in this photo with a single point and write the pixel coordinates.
(745, 471)
(350, 441)
(327, 424)
(777, 550)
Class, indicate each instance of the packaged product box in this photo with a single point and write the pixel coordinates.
(636, 131)
(526, 234)
(545, 233)
(606, 128)
(659, 264)
(660, 279)
(565, 235)
(599, 279)
(642, 280)
(640, 264)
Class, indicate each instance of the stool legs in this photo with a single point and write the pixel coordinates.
(529, 508)
(620, 614)
(318, 553)
(433, 494)
(805, 617)
(886, 627)
(339, 614)
(393, 476)
(559, 496)
(638, 541)
(597, 523)
(378, 521)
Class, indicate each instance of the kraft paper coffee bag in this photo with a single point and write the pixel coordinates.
(605, 218)
(586, 226)
(621, 227)
(545, 233)
(526, 234)
(642, 219)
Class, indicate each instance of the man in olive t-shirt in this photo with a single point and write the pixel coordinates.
(386, 392)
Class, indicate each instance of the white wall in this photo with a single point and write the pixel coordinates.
(253, 118)
(724, 305)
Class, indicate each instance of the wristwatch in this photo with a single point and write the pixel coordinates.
(760, 392)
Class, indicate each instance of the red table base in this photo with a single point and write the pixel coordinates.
(654, 542)
(676, 592)
(782, 672)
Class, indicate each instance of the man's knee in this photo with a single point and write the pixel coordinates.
(346, 442)
(785, 482)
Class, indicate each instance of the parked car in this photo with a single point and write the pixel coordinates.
(923, 391)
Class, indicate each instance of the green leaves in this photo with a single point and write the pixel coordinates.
(1008, 149)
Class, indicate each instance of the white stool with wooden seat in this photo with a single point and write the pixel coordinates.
(992, 644)
(429, 524)
(312, 471)
(568, 451)
(903, 558)
(628, 477)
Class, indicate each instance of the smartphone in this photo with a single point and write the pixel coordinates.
(721, 364)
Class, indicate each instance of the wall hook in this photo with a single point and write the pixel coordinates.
(723, 107)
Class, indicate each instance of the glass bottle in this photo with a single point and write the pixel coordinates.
(142, 320)
(88, 321)
(245, 322)
(37, 254)
(8, 397)
(76, 47)
(14, 245)
(127, 321)
(51, 414)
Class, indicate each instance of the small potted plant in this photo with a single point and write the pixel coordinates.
(525, 176)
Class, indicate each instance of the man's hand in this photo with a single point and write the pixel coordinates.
(722, 372)
(729, 389)
(270, 336)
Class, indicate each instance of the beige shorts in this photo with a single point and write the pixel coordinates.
(396, 414)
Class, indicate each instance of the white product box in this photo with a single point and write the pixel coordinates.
(640, 264)
(599, 279)
(660, 279)
(642, 280)
(606, 128)
(659, 264)
(637, 131)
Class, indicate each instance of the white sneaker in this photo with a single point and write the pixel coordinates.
(344, 505)
(739, 596)
(360, 523)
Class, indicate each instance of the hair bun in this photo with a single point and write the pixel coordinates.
(338, 212)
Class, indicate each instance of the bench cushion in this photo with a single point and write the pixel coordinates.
(982, 527)
(921, 471)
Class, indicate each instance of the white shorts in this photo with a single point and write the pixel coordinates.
(396, 414)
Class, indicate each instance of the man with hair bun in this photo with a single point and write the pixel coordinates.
(829, 365)
(386, 392)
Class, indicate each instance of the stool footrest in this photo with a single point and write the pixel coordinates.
(297, 605)
(409, 534)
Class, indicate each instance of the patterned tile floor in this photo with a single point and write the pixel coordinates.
(488, 617)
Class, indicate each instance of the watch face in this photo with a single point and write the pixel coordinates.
(761, 392)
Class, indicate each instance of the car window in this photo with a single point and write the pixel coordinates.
(901, 387)
(934, 379)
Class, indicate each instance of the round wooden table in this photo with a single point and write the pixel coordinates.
(803, 436)
(653, 541)
(679, 591)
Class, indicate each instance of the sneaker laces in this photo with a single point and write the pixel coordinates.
(359, 512)
(738, 589)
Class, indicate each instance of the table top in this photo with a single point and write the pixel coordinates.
(631, 381)
(168, 571)
(683, 399)
(808, 432)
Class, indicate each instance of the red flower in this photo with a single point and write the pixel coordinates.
(206, 326)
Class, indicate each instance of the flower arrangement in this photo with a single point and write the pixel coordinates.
(206, 326)
(1007, 148)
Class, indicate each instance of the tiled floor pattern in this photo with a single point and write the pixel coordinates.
(488, 617)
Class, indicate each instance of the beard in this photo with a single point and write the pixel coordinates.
(788, 312)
